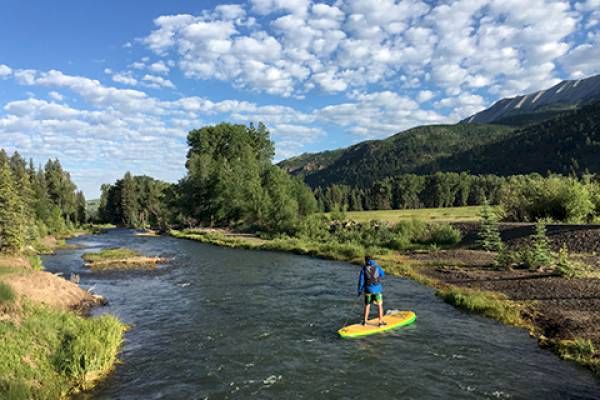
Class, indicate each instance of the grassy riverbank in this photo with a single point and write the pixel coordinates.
(47, 348)
(47, 353)
(492, 304)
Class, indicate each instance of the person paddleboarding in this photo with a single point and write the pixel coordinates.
(369, 283)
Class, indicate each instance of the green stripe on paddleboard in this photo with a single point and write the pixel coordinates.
(376, 331)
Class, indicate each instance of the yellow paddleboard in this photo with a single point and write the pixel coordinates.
(393, 321)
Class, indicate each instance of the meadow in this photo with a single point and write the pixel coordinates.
(446, 214)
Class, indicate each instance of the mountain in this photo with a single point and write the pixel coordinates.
(539, 106)
(567, 143)
(550, 130)
(404, 152)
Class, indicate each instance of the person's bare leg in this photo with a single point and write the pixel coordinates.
(380, 312)
(367, 310)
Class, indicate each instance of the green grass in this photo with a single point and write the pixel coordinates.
(449, 214)
(490, 304)
(581, 351)
(7, 296)
(46, 354)
(118, 253)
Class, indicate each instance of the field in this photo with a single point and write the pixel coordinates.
(449, 214)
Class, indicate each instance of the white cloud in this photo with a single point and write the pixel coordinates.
(378, 114)
(231, 11)
(159, 67)
(56, 96)
(299, 45)
(583, 60)
(5, 70)
(425, 95)
(157, 82)
(125, 78)
(269, 6)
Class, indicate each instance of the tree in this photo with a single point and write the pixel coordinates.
(80, 209)
(489, 234)
(541, 254)
(12, 217)
(129, 201)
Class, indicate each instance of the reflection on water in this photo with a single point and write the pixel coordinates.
(221, 323)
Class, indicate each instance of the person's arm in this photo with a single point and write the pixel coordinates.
(381, 271)
(361, 282)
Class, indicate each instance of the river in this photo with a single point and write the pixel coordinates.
(222, 323)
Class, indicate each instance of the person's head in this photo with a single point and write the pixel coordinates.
(368, 260)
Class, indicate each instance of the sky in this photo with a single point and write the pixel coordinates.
(115, 85)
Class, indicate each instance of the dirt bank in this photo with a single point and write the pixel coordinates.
(578, 238)
(559, 308)
(46, 288)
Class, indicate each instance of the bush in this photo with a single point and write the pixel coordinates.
(439, 235)
(566, 267)
(444, 235)
(530, 198)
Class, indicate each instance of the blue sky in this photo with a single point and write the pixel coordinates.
(110, 86)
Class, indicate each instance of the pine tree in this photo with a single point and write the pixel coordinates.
(541, 255)
(12, 218)
(128, 201)
(81, 205)
(489, 234)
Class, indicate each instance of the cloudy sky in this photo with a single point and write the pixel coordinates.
(110, 86)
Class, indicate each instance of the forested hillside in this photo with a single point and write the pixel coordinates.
(566, 144)
(405, 152)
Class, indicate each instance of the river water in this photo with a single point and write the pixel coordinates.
(234, 324)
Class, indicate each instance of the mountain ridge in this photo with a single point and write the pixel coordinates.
(463, 146)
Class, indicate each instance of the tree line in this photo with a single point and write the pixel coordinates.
(35, 202)
(230, 181)
(406, 191)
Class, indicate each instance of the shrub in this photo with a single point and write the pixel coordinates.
(445, 234)
(566, 267)
(530, 198)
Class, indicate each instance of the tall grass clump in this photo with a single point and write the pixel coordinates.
(7, 296)
(492, 305)
(46, 353)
